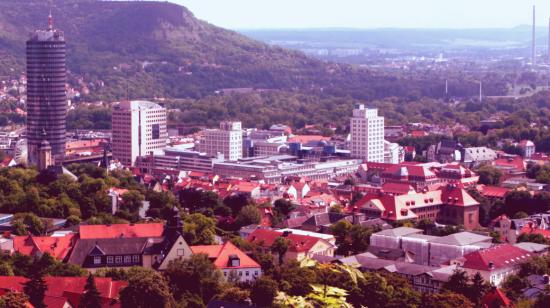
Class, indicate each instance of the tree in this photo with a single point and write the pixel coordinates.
(489, 175)
(36, 288)
(534, 238)
(280, 247)
(199, 229)
(445, 300)
(513, 285)
(263, 292)
(196, 275)
(234, 295)
(543, 301)
(294, 279)
(249, 215)
(91, 297)
(146, 289)
(283, 206)
(351, 238)
(14, 300)
(457, 283)
(477, 289)
(5, 269)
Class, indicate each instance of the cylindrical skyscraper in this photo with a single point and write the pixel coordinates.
(46, 95)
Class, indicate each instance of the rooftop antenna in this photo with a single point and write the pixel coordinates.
(50, 21)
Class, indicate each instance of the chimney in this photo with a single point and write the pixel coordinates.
(533, 43)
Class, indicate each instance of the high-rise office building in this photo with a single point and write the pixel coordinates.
(367, 134)
(46, 95)
(228, 140)
(139, 128)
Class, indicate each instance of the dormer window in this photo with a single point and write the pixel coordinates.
(234, 261)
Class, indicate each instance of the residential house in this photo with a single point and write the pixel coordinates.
(300, 246)
(494, 264)
(58, 247)
(126, 245)
(475, 156)
(426, 279)
(527, 148)
(68, 291)
(228, 258)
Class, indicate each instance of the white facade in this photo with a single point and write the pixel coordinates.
(393, 153)
(367, 134)
(139, 128)
(228, 140)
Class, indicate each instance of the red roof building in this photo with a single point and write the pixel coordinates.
(496, 263)
(511, 165)
(495, 299)
(228, 258)
(300, 246)
(451, 204)
(121, 230)
(57, 247)
(60, 287)
(493, 192)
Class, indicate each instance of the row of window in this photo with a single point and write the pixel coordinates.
(117, 259)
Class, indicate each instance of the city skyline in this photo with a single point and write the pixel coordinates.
(248, 14)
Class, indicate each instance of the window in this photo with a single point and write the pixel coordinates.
(127, 259)
(247, 273)
(97, 260)
(135, 258)
(110, 260)
(181, 252)
(118, 259)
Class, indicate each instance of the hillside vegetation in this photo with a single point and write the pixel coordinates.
(159, 49)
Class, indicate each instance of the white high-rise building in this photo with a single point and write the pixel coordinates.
(367, 134)
(228, 140)
(139, 128)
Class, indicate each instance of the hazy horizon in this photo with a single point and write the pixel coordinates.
(368, 14)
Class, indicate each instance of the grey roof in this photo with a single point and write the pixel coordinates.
(399, 267)
(422, 236)
(532, 247)
(376, 222)
(324, 219)
(461, 239)
(110, 246)
(386, 253)
(401, 231)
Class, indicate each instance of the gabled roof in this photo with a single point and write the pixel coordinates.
(397, 188)
(495, 298)
(221, 254)
(299, 243)
(515, 162)
(57, 286)
(461, 239)
(400, 231)
(57, 247)
(121, 231)
(496, 257)
(494, 191)
(116, 246)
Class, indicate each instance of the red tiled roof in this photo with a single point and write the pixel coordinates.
(516, 163)
(299, 243)
(396, 188)
(221, 254)
(121, 230)
(495, 298)
(57, 247)
(54, 301)
(500, 256)
(494, 191)
(58, 285)
(530, 230)
(418, 133)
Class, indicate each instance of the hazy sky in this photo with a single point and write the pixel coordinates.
(239, 14)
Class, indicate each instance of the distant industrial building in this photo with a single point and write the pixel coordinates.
(139, 128)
